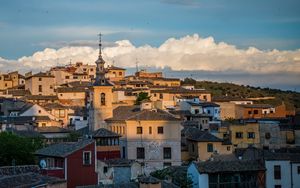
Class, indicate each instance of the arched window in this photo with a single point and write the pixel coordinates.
(102, 98)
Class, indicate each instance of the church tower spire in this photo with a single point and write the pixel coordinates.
(100, 46)
(100, 95)
(100, 69)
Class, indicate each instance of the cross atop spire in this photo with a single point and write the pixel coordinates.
(100, 44)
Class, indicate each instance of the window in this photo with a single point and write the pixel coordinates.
(238, 135)
(208, 111)
(105, 169)
(123, 152)
(267, 135)
(228, 148)
(40, 88)
(249, 112)
(43, 124)
(277, 172)
(140, 153)
(225, 135)
(154, 94)
(67, 77)
(120, 74)
(139, 130)
(161, 96)
(62, 113)
(167, 153)
(251, 135)
(102, 98)
(196, 111)
(277, 186)
(50, 163)
(167, 164)
(210, 147)
(87, 158)
(91, 70)
(193, 147)
(160, 130)
(255, 111)
(205, 97)
(40, 111)
(150, 130)
(40, 79)
(298, 169)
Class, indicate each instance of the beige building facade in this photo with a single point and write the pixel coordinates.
(40, 84)
(150, 136)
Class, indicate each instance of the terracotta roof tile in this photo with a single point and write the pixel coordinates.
(197, 135)
(123, 113)
(102, 133)
(229, 166)
(63, 149)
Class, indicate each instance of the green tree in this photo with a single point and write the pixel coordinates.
(73, 136)
(179, 177)
(141, 96)
(189, 81)
(18, 149)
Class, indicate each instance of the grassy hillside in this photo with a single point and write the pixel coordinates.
(291, 98)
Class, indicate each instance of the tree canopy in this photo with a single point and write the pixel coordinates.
(141, 96)
(17, 150)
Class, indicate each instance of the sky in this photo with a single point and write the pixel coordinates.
(251, 37)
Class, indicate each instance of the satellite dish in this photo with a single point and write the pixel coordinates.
(43, 164)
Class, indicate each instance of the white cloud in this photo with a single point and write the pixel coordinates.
(187, 53)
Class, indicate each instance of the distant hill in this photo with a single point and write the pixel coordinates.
(290, 98)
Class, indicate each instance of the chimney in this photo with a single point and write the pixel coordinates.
(146, 105)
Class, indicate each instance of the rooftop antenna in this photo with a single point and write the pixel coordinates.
(70, 61)
(113, 62)
(137, 65)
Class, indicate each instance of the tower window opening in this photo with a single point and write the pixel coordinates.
(102, 98)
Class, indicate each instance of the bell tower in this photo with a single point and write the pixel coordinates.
(101, 95)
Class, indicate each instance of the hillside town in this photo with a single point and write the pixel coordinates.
(101, 127)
